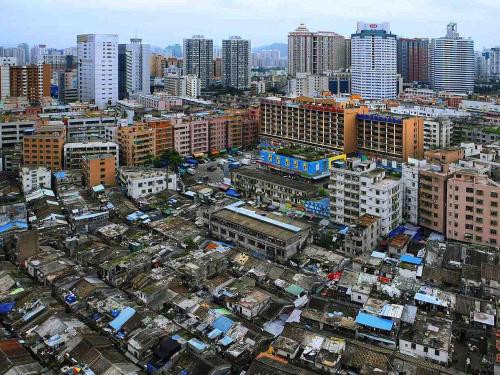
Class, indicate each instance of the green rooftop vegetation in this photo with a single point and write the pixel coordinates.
(300, 152)
(492, 130)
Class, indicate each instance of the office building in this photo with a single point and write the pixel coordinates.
(374, 61)
(98, 69)
(394, 138)
(452, 62)
(99, 169)
(472, 210)
(413, 59)
(315, 52)
(198, 59)
(30, 81)
(44, 147)
(136, 145)
(236, 63)
(74, 152)
(133, 68)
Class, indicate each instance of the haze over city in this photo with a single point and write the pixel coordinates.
(162, 22)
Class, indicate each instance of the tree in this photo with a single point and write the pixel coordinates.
(169, 158)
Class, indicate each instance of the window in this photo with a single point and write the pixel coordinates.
(436, 352)
(413, 346)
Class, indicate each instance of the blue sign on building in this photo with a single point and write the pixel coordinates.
(312, 169)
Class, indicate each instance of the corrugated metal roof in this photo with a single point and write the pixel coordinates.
(374, 321)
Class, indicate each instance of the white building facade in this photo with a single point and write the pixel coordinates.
(310, 85)
(409, 178)
(437, 133)
(98, 69)
(34, 178)
(374, 61)
(142, 182)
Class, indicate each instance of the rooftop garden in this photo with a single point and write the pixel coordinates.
(492, 130)
(300, 152)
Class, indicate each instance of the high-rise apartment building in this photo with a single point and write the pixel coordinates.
(452, 65)
(374, 61)
(236, 63)
(98, 69)
(198, 58)
(133, 68)
(157, 65)
(30, 81)
(5, 64)
(315, 52)
(413, 59)
(26, 48)
(44, 146)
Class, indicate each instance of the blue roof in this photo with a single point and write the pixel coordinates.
(226, 340)
(20, 224)
(408, 258)
(396, 231)
(428, 298)
(216, 332)
(6, 308)
(232, 193)
(222, 323)
(122, 318)
(197, 344)
(374, 321)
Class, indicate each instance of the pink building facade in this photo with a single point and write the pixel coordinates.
(473, 208)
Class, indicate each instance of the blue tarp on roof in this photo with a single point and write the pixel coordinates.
(122, 318)
(398, 230)
(59, 175)
(222, 323)
(226, 340)
(14, 223)
(408, 258)
(378, 254)
(197, 344)
(428, 298)
(233, 193)
(216, 332)
(6, 308)
(374, 321)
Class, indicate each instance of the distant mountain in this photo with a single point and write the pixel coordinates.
(282, 47)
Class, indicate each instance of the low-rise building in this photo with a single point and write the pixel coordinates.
(141, 182)
(136, 145)
(44, 146)
(34, 178)
(363, 235)
(428, 338)
(264, 234)
(438, 133)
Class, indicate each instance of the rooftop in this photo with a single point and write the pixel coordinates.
(277, 180)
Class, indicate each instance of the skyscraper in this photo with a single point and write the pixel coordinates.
(198, 58)
(236, 63)
(30, 81)
(452, 62)
(98, 68)
(413, 59)
(315, 52)
(133, 68)
(374, 61)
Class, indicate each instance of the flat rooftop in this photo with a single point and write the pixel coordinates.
(270, 224)
(277, 180)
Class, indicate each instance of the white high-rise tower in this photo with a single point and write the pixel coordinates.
(452, 62)
(374, 61)
(98, 68)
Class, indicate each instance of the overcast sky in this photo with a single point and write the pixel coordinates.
(162, 22)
